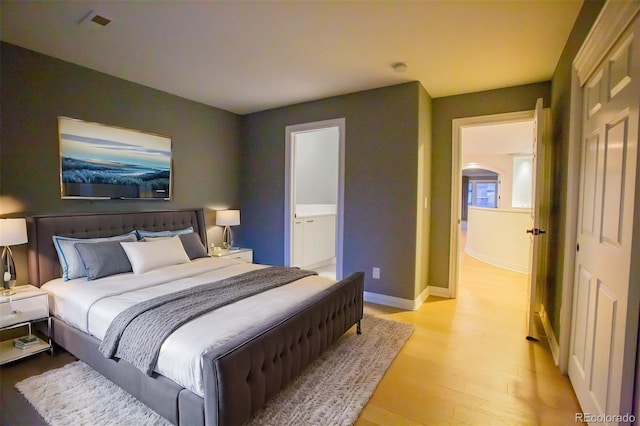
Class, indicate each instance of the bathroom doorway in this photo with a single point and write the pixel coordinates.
(314, 196)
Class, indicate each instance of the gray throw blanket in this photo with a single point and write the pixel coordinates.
(137, 333)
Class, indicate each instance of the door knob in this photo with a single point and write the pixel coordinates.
(536, 231)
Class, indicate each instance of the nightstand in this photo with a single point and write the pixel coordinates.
(243, 254)
(27, 306)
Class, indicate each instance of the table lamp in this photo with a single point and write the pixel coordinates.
(227, 218)
(12, 232)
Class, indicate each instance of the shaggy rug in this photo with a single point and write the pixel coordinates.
(333, 390)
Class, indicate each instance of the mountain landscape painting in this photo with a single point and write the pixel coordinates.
(100, 161)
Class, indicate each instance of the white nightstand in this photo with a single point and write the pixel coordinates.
(243, 254)
(27, 306)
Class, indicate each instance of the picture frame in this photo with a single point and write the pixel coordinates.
(100, 161)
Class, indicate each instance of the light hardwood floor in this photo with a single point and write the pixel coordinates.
(468, 361)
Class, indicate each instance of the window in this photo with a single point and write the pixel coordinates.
(483, 193)
(521, 196)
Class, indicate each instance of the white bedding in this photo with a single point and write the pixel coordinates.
(91, 306)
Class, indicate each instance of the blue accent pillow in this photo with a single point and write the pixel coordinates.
(103, 259)
(72, 266)
(155, 234)
(193, 245)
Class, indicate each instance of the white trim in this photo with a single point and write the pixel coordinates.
(456, 181)
(406, 304)
(438, 291)
(551, 337)
(497, 262)
(289, 188)
(456, 194)
(383, 299)
(421, 298)
(474, 165)
(571, 222)
(603, 34)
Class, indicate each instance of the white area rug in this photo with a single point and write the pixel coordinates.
(331, 391)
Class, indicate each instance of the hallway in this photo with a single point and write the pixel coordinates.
(468, 361)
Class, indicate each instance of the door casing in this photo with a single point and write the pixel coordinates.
(289, 209)
(456, 181)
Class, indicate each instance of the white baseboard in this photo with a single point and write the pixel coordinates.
(383, 299)
(418, 301)
(551, 337)
(497, 262)
(439, 291)
(406, 304)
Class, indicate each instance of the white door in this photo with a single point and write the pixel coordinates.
(534, 230)
(602, 348)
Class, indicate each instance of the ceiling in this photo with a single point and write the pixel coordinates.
(247, 56)
(498, 139)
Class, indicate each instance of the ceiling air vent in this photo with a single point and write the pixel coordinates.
(95, 21)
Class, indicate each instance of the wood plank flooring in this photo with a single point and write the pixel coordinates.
(468, 361)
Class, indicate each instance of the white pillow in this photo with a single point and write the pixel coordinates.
(145, 256)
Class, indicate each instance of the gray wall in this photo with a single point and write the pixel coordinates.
(317, 159)
(35, 89)
(380, 182)
(560, 114)
(511, 99)
(384, 128)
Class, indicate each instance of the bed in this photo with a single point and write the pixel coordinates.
(239, 375)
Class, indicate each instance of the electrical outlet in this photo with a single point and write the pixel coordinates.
(376, 273)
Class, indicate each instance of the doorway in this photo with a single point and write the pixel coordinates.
(314, 196)
(497, 143)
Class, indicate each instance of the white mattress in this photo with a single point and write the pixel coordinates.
(91, 306)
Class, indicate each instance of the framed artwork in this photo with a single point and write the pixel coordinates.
(98, 161)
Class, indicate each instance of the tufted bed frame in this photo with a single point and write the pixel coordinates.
(243, 374)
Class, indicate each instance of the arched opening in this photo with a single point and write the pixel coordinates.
(480, 187)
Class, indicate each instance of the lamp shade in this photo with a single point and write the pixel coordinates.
(13, 231)
(228, 217)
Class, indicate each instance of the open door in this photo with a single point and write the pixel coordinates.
(458, 126)
(534, 228)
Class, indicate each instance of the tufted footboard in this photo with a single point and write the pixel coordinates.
(242, 375)
(248, 371)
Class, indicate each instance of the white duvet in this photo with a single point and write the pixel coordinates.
(91, 306)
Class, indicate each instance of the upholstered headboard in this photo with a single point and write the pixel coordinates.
(43, 260)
